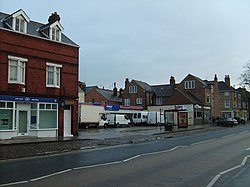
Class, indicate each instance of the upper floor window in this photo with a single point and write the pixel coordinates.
(190, 84)
(20, 24)
(56, 34)
(16, 70)
(226, 93)
(139, 100)
(53, 75)
(127, 102)
(208, 99)
(158, 101)
(227, 104)
(132, 89)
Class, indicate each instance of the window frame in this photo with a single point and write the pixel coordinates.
(138, 100)
(158, 100)
(189, 84)
(132, 89)
(227, 103)
(56, 75)
(127, 102)
(20, 70)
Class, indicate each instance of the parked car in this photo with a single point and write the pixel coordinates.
(240, 120)
(227, 122)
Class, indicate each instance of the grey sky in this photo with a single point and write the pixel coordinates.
(150, 40)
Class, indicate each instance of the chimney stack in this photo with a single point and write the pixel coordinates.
(53, 18)
(227, 80)
(172, 82)
(126, 83)
(115, 90)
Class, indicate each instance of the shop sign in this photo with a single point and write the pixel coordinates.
(28, 99)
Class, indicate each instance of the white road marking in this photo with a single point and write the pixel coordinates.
(50, 175)
(243, 132)
(228, 135)
(97, 165)
(205, 141)
(245, 160)
(137, 156)
(14, 183)
(228, 170)
(248, 149)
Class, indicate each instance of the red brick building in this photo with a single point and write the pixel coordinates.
(39, 78)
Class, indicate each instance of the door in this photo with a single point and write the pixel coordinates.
(67, 121)
(23, 122)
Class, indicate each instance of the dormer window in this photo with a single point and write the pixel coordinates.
(20, 24)
(17, 21)
(56, 34)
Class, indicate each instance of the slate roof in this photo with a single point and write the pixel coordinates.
(33, 29)
(144, 85)
(223, 87)
(164, 90)
(108, 94)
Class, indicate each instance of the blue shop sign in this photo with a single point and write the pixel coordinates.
(28, 99)
(112, 107)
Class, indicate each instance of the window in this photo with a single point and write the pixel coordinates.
(227, 104)
(226, 93)
(132, 89)
(190, 84)
(6, 115)
(208, 99)
(127, 102)
(139, 100)
(20, 24)
(158, 101)
(17, 70)
(53, 75)
(56, 34)
(47, 116)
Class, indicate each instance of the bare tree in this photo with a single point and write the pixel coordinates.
(245, 76)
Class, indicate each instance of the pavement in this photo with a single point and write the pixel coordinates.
(28, 146)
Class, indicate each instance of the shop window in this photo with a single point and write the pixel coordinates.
(48, 116)
(6, 115)
(47, 119)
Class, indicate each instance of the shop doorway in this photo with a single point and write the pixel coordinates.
(23, 116)
(22, 121)
(67, 121)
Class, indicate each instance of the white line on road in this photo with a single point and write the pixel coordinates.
(248, 149)
(14, 183)
(243, 132)
(228, 135)
(245, 160)
(205, 141)
(50, 175)
(97, 165)
(134, 157)
(226, 171)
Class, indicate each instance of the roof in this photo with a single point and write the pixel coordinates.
(89, 88)
(164, 90)
(144, 85)
(223, 87)
(108, 94)
(33, 29)
(182, 97)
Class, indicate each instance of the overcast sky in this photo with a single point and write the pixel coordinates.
(150, 40)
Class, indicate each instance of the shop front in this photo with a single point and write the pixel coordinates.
(20, 116)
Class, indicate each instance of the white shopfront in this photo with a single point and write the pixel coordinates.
(28, 116)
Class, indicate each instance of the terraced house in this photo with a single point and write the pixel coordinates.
(39, 76)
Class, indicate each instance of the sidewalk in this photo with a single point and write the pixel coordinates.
(26, 146)
(34, 139)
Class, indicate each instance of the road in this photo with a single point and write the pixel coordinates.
(210, 158)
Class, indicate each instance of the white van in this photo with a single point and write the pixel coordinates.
(118, 120)
(140, 118)
(155, 118)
